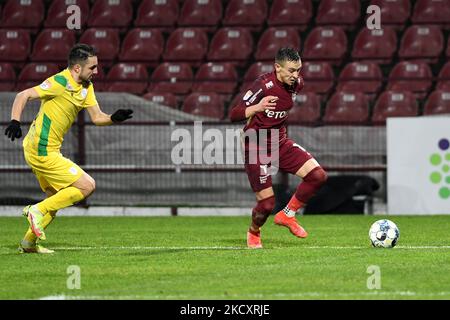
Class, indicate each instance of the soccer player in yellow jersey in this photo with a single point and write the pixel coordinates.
(62, 96)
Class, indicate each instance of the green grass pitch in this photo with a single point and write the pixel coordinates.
(206, 258)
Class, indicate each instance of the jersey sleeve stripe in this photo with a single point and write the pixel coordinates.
(43, 138)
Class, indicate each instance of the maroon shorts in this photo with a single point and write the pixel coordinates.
(291, 158)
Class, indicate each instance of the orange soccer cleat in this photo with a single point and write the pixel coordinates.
(254, 241)
(282, 219)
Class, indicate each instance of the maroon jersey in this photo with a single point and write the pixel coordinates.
(268, 85)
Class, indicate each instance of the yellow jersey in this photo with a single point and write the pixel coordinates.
(61, 100)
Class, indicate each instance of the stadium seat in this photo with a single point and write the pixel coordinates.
(290, 13)
(216, 77)
(438, 103)
(424, 43)
(377, 46)
(27, 14)
(444, 78)
(325, 44)
(57, 13)
(127, 77)
(7, 77)
(394, 104)
(34, 74)
(44, 48)
(306, 110)
(160, 14)
(15, 45)
(201, 13)
(273, 39)
(394, 13)
(164, 98)
(105, 41)
(245, 13)
(347, 109)
(361, 77)
(172, 77)
(186, 45)
(344, 13)
(253, 72)
(319, 77)
(111, 13)
(204, 104)
(231, 45)
(143, 46)
(431, 12)
(411, 76)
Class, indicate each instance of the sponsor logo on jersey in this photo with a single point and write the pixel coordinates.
(276, 114)
(269, 84)
(248, 94)
(45, 85)
(253, 98)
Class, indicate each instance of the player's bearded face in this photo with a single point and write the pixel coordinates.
(89, 69)
(288, 72)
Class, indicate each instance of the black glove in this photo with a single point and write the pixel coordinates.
(13, 130)
(121, 115)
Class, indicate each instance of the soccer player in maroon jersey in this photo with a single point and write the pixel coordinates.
(265, 106)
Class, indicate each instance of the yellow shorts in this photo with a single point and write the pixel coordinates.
(53, 170)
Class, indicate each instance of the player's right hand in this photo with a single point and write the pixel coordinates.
(267, 103)
(13, 130)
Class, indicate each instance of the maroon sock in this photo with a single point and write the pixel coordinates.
(310, 184)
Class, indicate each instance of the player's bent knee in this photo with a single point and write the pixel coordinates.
(317, 176)
(266, 205)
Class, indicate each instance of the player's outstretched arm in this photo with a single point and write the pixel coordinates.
(13, 130)
(100, 118)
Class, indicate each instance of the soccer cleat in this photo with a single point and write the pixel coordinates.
(253, 241)
(34, 218)
(34, 249)
(282, 219)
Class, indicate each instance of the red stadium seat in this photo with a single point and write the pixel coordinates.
(201, 13)
(231, 45)
(57, 13)
(290, 13)
(186, 45)
(111, 13)
(23, 14)
(361, 77)
(423, 43)
(172, 77)
(164, 98)
(45, 49)
(306, 109)
(325, 44)
(319, 77)
(142, 45)
(7, 77)
(394, 13)
(431, 12)
(34, 74)
(273, 39)
(127, 77)
(15, 45)
(394, 104)
(245, 13)
(204, 104)
(377, 46)
(338, 12)
(254, 71)
(216, 77)
(105, 41)
(157, 14)
(411, 76)
(438, 103)
(444, 78)
(347, 108)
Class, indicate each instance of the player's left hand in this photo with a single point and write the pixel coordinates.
(121, 115)
(13, 130)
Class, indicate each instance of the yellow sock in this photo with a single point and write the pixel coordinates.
(62, 199)
(30, 237)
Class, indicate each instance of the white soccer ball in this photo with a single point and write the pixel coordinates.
(384, 234)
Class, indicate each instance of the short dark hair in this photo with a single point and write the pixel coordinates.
(287, 54)
(80, 53)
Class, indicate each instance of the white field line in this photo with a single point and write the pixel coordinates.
(368, 294)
